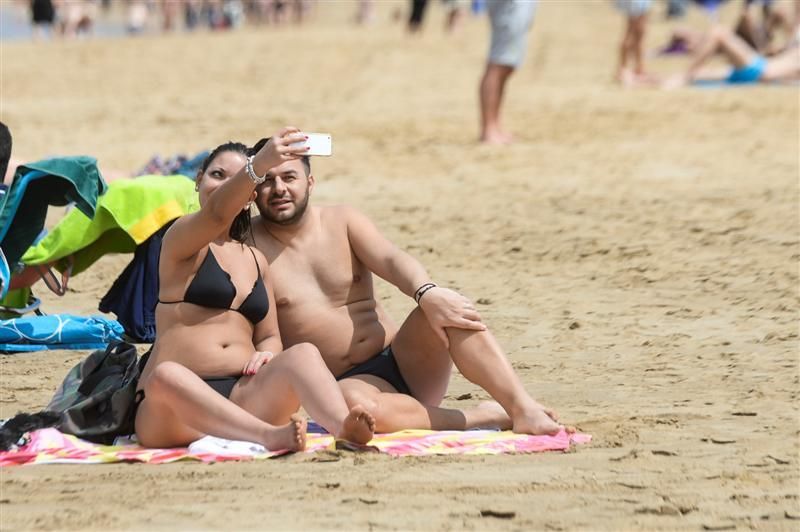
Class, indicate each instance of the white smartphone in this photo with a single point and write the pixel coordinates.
(318, 144)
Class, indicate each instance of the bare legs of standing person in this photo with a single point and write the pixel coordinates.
(632, 51)
(491, 94)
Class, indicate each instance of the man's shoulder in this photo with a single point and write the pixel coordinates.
(337, 213)
(336, 209)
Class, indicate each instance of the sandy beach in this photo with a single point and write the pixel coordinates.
(636, 253)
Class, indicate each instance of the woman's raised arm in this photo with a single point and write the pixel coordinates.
(226, 184)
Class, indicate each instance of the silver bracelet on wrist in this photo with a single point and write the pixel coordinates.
(255, 178)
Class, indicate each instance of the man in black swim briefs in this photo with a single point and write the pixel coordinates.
(322, 260)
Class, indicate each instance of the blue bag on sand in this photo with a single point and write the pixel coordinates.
(58, 331)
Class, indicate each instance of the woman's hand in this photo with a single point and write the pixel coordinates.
(280, 149)
(258, 359)
(446, 308)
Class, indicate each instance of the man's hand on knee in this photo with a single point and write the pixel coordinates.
(447, 308)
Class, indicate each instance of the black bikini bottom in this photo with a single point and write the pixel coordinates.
(222, 385)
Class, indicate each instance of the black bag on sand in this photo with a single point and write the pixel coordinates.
(97, 400)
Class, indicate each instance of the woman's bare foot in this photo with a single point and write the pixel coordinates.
(358, 426)
(536, 421)
(291, 436)
(547, 410)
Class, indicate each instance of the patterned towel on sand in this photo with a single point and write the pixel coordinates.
(49, 446)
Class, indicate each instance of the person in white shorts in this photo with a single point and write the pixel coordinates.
(510, 21)
(631, 49)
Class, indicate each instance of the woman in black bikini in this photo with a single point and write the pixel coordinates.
(217, 366)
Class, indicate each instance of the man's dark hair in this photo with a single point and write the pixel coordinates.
(240, 228)
(305, 159)
(5, 149)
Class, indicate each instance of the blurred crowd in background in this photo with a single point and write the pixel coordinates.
(763, 45)
(70, 18)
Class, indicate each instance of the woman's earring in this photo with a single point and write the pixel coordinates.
(248, 206)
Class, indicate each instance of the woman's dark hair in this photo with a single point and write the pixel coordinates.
(240, 228)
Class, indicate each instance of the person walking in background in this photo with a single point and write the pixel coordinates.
(417, 15)
(171, 11)
(43, 14)
(455, 14)
(137, 14)
(510, 22)
(365, 12)
(76, 17)
(631, 50)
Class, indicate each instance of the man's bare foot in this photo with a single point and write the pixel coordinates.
(496, 137)
(536, 421)
(646, 79)
(488, 415)
(625, 77)
(358, 426)
(631, 80)
(291, 436)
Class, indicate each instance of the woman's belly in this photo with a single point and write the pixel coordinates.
(218, 345)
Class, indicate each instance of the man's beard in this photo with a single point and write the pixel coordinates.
(300, 209)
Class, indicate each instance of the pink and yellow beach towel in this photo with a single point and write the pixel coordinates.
(49, 446)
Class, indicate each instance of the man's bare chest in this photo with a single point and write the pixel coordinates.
(317, 269)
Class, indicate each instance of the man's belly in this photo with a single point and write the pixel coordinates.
(346, 336)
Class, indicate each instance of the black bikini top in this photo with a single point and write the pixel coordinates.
(212, 288)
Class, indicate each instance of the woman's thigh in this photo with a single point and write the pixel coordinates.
(157, 426)
(268, 394)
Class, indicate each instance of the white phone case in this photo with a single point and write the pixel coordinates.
(319, 144)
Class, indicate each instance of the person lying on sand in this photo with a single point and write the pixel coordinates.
(760, 30)
(773, 34)
(218, 365)
(748, 65)
(323, 259)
